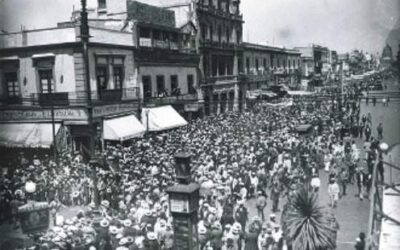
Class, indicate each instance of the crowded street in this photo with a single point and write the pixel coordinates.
(199, 125)
(247, 165)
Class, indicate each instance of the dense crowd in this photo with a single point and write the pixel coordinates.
(257, 154)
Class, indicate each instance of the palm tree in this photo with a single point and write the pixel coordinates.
(306, 225)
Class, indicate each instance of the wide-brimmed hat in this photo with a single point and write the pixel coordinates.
(113, 230)
(127, 223)
(151, 236)
(105, 203)
(104, 223)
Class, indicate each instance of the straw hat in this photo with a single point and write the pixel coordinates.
(104, 223)
(151, 236)
(127, 223)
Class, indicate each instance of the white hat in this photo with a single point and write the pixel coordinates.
(113, 230)
(151, 236)
(127, 223)
(104, 223)
(105, 203)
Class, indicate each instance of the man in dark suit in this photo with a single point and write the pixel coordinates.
(361, 181)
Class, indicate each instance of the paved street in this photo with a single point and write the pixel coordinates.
(351, 213)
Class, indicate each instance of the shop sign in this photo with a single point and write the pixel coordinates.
(107, 110)
(37, 115)
(191, 107)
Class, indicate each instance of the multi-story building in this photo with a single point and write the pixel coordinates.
(165, 57)
(218, 28)
(315, 62)
(43, 83)
(266, 65)
(387, 56)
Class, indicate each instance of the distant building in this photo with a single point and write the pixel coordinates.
(387, 56)
(267, 65)
(315, 61)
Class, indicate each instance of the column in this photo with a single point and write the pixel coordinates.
(218, 104)
(236, 97)
(227, 102)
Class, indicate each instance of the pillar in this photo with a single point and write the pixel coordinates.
(218, 104)
(236, 97)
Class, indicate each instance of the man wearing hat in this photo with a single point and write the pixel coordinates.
(241, 214)
(167, 238)
(216, 235)
(261, 204)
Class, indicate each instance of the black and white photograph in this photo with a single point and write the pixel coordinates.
(199, 124)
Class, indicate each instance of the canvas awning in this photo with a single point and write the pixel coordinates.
(27, 135)
(162, 118)
(122, 128)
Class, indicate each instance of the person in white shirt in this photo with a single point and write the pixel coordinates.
(333, 191)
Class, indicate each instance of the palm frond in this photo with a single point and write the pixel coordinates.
(308, 225)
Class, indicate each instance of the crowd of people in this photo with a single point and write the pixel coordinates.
(235, 157)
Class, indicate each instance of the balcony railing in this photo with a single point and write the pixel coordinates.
(53, 99)
(75, 98)
(177, 99)
(10, 100)
(221, 79)
(110, 95)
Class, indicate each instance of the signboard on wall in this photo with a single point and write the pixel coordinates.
(115, 109)
(44, 114)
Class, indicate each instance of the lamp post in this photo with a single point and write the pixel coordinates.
(184, 203)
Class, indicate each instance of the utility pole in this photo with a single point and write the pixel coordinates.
(84, 28)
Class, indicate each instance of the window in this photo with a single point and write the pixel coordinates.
(160, 85)
(211, 33)
(44, 67)
(265, 63)
(228, 35)
(46, 81)
(12, 85)
(174, 85)
(147, 88)
(219, 34)
(257, 65)
(109, 72)
(118, 76)
(190, 83)
(102, 77)
(247, 65)
(102, 4)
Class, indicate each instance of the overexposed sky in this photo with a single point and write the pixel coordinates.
(339, 24)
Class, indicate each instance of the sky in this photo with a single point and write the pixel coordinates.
(341, 25)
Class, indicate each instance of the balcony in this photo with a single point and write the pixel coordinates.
(10, 100)
(110, 95)
(53, 99)
(178, 99)
(215, 80)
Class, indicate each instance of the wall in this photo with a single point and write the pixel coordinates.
(130, 81)
(38, 37)
(111, 37)
(63, 66)
(167, 71)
